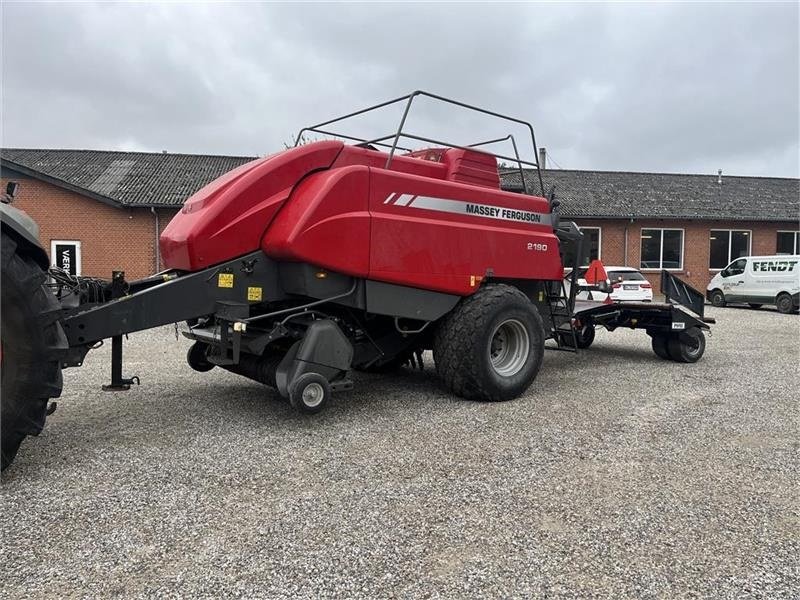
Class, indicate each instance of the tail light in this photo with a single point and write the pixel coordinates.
(645, 286)
(616, 286)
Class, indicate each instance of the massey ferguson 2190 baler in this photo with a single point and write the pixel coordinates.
(295, 269)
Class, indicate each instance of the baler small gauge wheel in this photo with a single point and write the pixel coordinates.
(309, 393)
(197, 358)
(687, 347)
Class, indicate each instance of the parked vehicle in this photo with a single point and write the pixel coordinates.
(627, 284)
(758, 280)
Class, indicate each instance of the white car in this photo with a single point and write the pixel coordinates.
(627, 284)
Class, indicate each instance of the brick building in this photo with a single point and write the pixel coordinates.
(693, 225)
(109, 206)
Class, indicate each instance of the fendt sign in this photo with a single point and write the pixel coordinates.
(774, 266)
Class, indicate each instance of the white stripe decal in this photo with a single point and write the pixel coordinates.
(479, 210)
(405, 200)
(389, 198)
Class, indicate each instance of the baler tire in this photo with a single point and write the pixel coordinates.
(196, 357)
(33, 344)
(680, 351)
(463, 344)
(661, 346)
(309, 403)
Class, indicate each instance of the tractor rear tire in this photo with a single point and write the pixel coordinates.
(33, 344)
(681, 350)
(491, 346)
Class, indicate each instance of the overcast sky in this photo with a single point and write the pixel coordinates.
(637, 87)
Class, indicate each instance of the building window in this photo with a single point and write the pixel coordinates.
(66, 254)
(591, 242)
(726, 245)
(662, 249)
(788, 242)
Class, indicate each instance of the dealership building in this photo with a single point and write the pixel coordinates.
(103, 211)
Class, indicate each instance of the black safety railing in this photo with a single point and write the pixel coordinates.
(400, 133)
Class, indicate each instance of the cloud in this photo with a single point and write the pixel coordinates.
(663, 87)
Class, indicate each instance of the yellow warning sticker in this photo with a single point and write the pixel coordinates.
(254, 294)
(225, 280)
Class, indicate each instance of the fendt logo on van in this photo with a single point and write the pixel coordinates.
(468, 208)
(774, 266)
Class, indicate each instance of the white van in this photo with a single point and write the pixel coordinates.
(758, 280)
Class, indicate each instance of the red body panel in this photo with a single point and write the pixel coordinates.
(452, 252)
(227, 217)
(325, 223)
(436, 221)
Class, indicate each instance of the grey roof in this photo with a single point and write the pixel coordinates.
(612, 194)
(160, 179)
(123, 178)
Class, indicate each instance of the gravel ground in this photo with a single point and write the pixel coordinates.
(617, 475)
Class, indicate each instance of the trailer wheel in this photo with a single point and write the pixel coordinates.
(33, 343)
(784, 303)
(490, 347)
(688, 346)
(197, 359)
(309, 393)
(661, 346)
(718, 298)
(585, 336)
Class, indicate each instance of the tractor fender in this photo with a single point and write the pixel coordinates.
(25, 232)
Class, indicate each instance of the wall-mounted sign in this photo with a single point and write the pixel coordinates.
(66, 255)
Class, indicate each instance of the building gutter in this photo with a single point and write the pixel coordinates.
(157, 252)
(625, 242)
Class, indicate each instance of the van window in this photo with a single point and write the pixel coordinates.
(735, 268)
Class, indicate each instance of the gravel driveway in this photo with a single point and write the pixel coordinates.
(617, 475)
